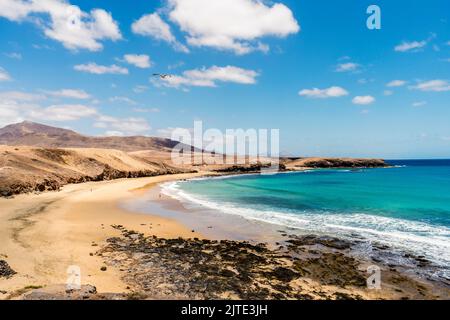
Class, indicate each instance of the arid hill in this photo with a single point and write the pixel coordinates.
(29, 169)
(38, 135)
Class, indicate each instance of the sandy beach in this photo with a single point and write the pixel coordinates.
(41, 235)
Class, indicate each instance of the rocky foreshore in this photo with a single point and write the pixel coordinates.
(302, 267)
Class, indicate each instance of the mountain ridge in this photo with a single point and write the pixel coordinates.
(34, 134)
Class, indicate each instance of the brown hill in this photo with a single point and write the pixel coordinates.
(27, 169)
(34, 134)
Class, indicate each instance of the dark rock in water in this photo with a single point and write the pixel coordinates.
(326, 241)
(5, 270)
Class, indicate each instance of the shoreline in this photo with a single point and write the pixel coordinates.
(55, 230)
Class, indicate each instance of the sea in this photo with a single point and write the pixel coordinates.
(405, 207)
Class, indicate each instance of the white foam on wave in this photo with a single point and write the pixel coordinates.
(419, 237)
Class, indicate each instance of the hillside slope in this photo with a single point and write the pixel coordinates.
(28, 169)
(34, 134)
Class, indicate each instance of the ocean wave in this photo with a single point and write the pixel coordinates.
(418, 237)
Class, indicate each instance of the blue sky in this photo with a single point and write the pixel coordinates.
(309, 68)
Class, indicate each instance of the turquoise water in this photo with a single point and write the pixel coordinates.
(407, 206)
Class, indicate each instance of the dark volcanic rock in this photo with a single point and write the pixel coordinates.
(205, 269)
(5, 270)
(248, 168)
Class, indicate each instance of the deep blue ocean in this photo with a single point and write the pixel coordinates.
(406, 206)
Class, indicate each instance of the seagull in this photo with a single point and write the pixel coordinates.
(162, 75)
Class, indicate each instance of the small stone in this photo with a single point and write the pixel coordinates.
(103, 268)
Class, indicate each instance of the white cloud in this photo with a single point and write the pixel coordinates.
(331, 92)
(140, 89)
(208, 77)
(112, 133)
(347, 67)
(68, 24)
(20, 96)
(123, 99)
(99, 69)
(146, 110)
(419, 104)
(4, 76)
(169, 132)
(388, 92)
(432, 85)
(15, 10)
(65, 112)
(410, 46)
(16, 106)
(13, 55)
(363, 100)
(138, 60)
(396, 83)
(153, 26)
(233, 24)
(70, 93)
(129, 126)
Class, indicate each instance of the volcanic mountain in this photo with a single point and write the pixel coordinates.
(38, 135)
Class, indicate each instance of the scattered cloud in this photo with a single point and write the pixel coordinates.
(65, 112)
(168, 133)
(123, 99)
(237, 24)
(396, 83)
(13, 55)
(146, 110)
(139, 60)
(331, 92)
(4, 76)
(68, 24)
(20, 96)
(175, 65)
(365, 80)
(152, 25)
(99, 69)
(209, 77)
(140, 89)
(128, 126)
(388, 92)
(419, 104)
(16, 106)
(363, 100)
(410, 46)
(112, 133)
(432, 85)
(70, 93)
(347, 67)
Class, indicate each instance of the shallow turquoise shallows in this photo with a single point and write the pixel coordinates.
(407, 206)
